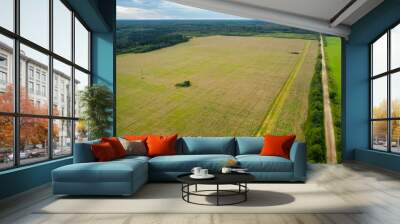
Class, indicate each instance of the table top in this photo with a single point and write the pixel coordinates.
(220, 178)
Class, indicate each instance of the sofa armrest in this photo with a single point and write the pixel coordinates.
(298, 156)
(83, 152)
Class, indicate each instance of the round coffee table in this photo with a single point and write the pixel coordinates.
(238, 179)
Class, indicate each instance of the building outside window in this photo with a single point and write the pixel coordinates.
(30, 72)
(43, 90)
(3, 72)
(3, 61)
(30, 87)
(34, 75)
(38, 89)
(3, 77)
(44, 77)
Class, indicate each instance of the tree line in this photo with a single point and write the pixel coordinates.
(314, 125)
(138, 36)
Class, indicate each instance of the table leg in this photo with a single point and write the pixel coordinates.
(188, 190)
(245, 193)
(195, 188)
(217, 194)
(182, 189)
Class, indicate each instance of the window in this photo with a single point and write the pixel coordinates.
(62, 74)
(35, 21)
(3, 78)
(37, 74)
(62, 137)
(6, 74)
(3, 61)
(37, 89)
(3, 72)
(62, 29)
(43, 113)
(81, 82)
(30, 87)
(7, 14)
(6, 142)
(33, 140)
(44, 91)
(81, 45)
(385, 94)
(30, 72)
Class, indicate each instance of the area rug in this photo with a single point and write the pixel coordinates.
(166, 198)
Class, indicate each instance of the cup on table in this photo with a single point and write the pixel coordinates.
(196, 171)
(226, 170)
(203, 172)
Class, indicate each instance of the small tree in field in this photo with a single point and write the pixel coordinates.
(97, 104)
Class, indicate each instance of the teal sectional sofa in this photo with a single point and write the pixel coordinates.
(125, 176)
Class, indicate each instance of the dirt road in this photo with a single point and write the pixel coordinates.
(328, 120)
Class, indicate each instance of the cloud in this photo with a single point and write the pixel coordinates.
(138, 13)
(160, 9)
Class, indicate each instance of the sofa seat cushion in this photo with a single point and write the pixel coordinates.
(112, 171)
(185, 163)
(139, 158)
(257, 163)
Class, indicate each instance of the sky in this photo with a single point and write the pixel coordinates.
(159, 9)
(35, 27)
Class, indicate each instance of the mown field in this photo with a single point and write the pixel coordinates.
(234, 81)
(293, 114)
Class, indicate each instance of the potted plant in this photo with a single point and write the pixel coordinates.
(96, 102)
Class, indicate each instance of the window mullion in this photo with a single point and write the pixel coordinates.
(73, 81)
(16, 69)
(389, 104)
(50, 81)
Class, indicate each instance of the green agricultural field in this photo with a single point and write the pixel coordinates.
(332, 50)
(293, 113)
(334, 63)
(233, 82)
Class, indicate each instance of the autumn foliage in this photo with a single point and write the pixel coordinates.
(33, 131)
(380, 127)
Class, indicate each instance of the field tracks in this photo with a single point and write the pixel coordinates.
(274, 110)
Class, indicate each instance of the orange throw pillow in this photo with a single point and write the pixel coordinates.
(277, 145)
(135, 137)
(103, 152)
(116, 145)
(161, 145)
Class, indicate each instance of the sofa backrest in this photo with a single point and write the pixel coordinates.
(206, 145)
(83, 152)
(249, 145)
(190, 146)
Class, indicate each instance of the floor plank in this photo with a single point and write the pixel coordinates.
(378, 190)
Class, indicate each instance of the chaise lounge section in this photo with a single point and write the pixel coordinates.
(125, 176)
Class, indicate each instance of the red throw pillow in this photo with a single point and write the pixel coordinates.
(277, 145)
(116, 145)
(161, 145)
(135, 137)
(103, 152)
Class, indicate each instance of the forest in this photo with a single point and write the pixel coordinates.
(138, 36)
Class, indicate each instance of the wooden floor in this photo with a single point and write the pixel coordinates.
(379, 189)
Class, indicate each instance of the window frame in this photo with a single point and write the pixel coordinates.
(388, 74)
(16, 114)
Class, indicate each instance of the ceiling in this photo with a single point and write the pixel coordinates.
(325, 16)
